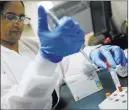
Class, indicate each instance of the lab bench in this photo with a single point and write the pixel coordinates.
(91, 102)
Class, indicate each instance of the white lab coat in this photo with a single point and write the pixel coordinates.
(27, 79)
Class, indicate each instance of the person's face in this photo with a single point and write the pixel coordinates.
(11, 32)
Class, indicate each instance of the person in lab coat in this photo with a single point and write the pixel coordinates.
(31, 68)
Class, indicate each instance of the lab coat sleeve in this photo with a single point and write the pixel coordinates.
(35, 88)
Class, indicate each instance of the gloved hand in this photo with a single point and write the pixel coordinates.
(114, 55)
(66, 38)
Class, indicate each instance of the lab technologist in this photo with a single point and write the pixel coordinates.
(28, 76)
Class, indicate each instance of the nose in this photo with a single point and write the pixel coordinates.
(18, 23)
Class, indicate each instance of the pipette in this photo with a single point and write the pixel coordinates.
(114, 77)
(56, 21)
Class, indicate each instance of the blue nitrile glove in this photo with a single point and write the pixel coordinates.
(66, 38)
(114, 55)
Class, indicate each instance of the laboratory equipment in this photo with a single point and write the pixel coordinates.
(100, 14)
(116, 101)
(56, 21)
(114, 77)
(104, 26)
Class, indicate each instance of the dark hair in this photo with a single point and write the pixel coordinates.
(3, 3)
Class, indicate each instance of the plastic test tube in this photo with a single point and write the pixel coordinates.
(114, 77)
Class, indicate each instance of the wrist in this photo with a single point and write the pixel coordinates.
(51, 57)
(95, 47)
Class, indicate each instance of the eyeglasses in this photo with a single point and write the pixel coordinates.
(15, 18)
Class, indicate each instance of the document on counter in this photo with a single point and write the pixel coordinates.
(81, 86)
(79, 82)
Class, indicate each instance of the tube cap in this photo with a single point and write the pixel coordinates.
(120, 89)
(107, 94)
(107, 64)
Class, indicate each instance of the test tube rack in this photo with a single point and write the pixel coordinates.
(117, 100)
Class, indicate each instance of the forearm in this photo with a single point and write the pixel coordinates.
(37, 84)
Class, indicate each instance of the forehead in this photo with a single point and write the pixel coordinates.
(14, 7)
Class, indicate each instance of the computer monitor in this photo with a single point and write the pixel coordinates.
(100, 14)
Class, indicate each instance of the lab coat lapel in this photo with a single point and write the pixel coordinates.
(16, 64)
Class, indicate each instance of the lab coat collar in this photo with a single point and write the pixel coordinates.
(4, 49)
